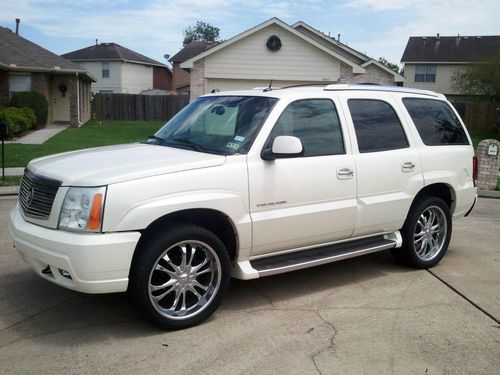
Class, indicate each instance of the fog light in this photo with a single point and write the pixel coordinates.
(65, 274)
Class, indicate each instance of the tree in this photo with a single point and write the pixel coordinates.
(394, 67)
(200, 32)
(482, 78)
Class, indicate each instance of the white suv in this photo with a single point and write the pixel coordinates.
(249, 184)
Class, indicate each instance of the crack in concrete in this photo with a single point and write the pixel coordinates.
(330, 347)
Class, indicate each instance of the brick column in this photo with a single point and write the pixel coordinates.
(197, 80)
(488, 164)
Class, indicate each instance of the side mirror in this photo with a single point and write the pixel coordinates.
(284, 146)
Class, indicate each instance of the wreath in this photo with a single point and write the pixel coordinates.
(273, 43)
(63, 88)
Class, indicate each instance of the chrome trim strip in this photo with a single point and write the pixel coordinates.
(270, 255)
(317, 262)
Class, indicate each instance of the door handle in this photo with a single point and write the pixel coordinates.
(407, 166)
(345, 173)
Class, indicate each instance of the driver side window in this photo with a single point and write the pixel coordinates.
(315, 122)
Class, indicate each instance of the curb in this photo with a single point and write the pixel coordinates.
(488, 194)
(6, 191)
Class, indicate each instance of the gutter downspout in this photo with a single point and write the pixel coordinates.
(78, 99)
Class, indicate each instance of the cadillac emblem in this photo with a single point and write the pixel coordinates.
(29, 195)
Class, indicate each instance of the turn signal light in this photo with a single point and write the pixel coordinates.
(95, 212)
(474, 170)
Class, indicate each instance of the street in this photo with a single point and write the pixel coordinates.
(365, 315)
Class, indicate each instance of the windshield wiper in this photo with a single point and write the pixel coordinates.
(159, 140)
(193, 145)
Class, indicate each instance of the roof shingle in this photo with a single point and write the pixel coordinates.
(110, 51)
(17, 52)
(451, 48)
(191, 50)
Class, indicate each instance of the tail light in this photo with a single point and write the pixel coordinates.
(474, 170)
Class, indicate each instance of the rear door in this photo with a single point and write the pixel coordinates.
(309, 199)
(389, 170)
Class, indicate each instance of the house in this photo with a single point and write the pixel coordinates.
(286, 55)
(121, 70)
(25, 66)
(181, 77)
(431, 61)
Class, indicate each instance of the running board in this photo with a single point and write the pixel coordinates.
(314, 257)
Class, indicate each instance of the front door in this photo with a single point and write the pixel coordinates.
(60, 99)
(305, 200)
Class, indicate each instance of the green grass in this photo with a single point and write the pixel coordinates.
(90, 135)
(478, 135)
(10, 180)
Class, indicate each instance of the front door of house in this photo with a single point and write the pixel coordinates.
(60, 99)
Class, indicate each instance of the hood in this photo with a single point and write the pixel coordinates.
(112, 164)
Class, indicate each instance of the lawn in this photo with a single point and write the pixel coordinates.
(479, 135)
(91, 134)
(10, 180)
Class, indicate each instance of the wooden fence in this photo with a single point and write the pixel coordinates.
(131, 107)
(478, 112)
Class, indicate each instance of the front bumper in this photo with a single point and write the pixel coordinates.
(85, 262)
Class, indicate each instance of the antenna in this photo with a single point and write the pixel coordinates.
(270, 87)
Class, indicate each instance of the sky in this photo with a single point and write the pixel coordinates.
(378, 28)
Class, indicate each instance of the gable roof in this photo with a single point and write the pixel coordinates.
(189, 63)
(331, 40)
(110, 51)
(397, 77)
(458, 49)
(19, 54)
(191, 50)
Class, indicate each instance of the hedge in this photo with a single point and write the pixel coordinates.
(17, 119)
(35, 101)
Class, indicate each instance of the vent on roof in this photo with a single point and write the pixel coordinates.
(424, 38)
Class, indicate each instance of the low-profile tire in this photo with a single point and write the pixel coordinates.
(179, 276)
(426, 233)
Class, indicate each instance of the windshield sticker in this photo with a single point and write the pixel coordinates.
(233, 146)
(239, 138)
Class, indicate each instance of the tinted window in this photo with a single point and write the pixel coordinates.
(315, 123)
(435, 121)
(377, 126)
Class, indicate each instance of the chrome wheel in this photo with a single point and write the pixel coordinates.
(185, 279)
(430, 233)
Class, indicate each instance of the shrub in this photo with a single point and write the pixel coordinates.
(35, 101)
(17, 119)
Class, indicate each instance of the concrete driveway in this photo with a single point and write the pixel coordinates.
(366, 315)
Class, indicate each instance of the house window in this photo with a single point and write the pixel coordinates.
(425, 73)
(105, 70)
(19, 82)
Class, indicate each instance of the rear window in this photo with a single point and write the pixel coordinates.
(435, 121)
(377, 126)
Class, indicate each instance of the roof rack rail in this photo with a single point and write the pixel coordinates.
(408, 90)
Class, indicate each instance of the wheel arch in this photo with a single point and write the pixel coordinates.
(213, 220)
(440, 190)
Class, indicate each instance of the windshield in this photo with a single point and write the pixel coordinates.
(222, 125)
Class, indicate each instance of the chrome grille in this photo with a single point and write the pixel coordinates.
(36, 195)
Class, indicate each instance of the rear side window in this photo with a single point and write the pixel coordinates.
(436, 123)
(377, 126)
(315, 122)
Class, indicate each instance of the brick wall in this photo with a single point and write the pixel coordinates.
(488, 165)
(4, 88)
(197, 80)
(41, 82)
(162, 78)
(73, 105)
(346, 75)
(85, 108)
(374, 74)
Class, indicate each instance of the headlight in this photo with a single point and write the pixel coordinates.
(82, 209)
